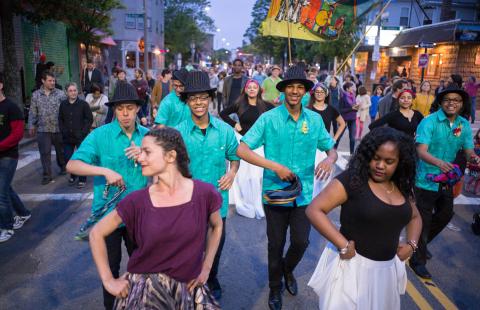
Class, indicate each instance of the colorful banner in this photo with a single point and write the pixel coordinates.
(313, 20)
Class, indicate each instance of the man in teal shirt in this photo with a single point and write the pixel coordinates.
(290, 135)
(108, 153)
(172, 110)
(440, 136)
(210, 143)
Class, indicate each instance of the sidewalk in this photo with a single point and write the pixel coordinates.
(26, 140)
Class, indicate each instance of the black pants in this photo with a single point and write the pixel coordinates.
(212, 278)
(45, 141)
(114, 250)
(278, 221)
(436, 210)
(351, 135)
(219, 101)
(68, 149)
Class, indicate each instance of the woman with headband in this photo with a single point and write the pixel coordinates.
(247, 187)
(405, 119)
(330, 116)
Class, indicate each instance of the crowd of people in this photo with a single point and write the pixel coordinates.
(157, 146)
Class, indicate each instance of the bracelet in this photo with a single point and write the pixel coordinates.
(413, 244)
(344, 250)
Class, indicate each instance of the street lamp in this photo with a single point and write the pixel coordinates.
(218, 29)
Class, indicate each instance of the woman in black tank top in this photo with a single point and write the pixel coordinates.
(376, 195)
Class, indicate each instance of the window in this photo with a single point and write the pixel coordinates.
(434, 64)
(130, 22)
(404, 16)
(156, 27)
(140, 22)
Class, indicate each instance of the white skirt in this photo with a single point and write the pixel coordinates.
(319, 185)
(246, 191)
(359, 283)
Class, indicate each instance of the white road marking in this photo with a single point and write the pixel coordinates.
(463, 200)
(30, 158)
(45, 197)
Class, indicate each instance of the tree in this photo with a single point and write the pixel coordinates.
(221, 55)
(186, 22)
(89, 20)
(265, 46)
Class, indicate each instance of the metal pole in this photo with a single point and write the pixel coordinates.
(423, 69)
(145, 40)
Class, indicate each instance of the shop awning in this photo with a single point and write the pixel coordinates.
(436, 33)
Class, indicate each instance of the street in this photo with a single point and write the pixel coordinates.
(43, 267)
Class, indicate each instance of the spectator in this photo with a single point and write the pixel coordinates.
(471, 87)
(74, 121)
(334, 97)
(383, 80)
(221, 81)
(91, 75)
(41, 66)
(377, 95)
(363, 103)
(348, 110)
(97, 102)
(259, 75)
(423, 100)
(212, 75)
(141, 85)
(150, 80)
(121, 78)
(112, 81)
(389, 103)
(43, 122)
(411, 86)
(269, 87)
(440, 87)
(162, 88)
(455, 81)
(11, 132)
(234, 83)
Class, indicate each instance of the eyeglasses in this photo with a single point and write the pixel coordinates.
(452, 100)
(198, 98)
(319, 92)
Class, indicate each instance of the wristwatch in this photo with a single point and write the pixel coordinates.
(344, 250)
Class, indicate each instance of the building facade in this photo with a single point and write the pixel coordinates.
(128, 27)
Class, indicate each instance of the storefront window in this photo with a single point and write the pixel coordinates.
(131, 59)
(434, 64)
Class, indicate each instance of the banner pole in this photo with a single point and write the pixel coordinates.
(362, 38)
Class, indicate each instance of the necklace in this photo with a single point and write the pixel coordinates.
(391, 190)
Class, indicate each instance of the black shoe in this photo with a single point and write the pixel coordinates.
(215, 289)
(421, 271)
(291, 283)
(46, 180)
(428, 255)
(81, 184)
(275, 300)
(71, 181)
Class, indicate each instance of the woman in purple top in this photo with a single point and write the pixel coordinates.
(176, 227)
(348, 110)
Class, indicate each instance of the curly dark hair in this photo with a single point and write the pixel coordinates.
(171, 139)
(404, 176)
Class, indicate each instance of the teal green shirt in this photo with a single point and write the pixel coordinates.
(105, 147)
(290, 143)
(172, 111)
(305, 99)
(208, 152)
(436, 132)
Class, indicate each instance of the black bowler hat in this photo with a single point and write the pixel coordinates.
(295, 74)
(124, 93)
(285, 195)
(180, 75)
(197, 82)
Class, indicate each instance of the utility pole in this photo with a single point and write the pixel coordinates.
(145, 39)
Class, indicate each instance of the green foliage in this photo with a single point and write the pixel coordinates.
(221, 55)
(86, 20)
(186, 22)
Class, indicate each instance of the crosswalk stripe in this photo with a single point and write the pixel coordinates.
(421, 302)
(46, 197)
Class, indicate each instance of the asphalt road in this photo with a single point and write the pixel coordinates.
(42, 267)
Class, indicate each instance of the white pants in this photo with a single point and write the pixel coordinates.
(359, 283)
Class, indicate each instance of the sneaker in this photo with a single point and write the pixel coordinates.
(71, 181)
(20, 220)
(81, 185)
(5, 234)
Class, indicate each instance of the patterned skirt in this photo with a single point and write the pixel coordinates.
(160, 292)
